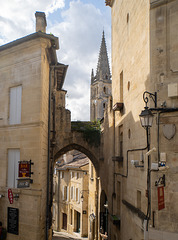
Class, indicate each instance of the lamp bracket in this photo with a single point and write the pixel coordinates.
(160, 181)
(152, 96)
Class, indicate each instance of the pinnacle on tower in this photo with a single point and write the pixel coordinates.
(103, 70)
(92, 76)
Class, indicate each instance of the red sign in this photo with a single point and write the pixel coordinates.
(161, 204)
(10, 196)
(24, 169)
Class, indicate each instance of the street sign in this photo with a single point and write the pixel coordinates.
(10, 196)
(161, 204)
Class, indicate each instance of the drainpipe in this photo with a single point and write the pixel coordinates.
(48, 163)
(96, 226)
(114, 190)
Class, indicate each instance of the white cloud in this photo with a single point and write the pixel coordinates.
(17, 17)
(80, 35)
(79, 32)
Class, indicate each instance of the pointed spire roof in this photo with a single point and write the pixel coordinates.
(92, 76)
(103, 70)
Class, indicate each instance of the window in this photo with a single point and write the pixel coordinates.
(67, 193)
(72, 192)
(138, 199)
(77, 175)
(15, 105)
(121, 141)
(61, 174)
(91, 172)
(64, 193)
(13, 158)
(72, 174)
(121, 87)
(76, 194)
(71, 216)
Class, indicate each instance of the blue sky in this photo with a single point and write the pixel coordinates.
(79, 25)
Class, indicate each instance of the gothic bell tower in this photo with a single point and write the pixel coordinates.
(100, 88)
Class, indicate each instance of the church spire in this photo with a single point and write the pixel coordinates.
(103, 70)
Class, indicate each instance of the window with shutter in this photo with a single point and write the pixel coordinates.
(13, 159)
(15, 105)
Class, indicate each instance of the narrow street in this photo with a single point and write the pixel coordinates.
(66, 236)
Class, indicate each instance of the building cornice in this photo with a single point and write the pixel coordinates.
(54, 40)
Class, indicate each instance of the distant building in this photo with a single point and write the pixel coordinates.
(70, 201)
(100, 84)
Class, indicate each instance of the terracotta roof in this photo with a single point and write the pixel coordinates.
(78, 161)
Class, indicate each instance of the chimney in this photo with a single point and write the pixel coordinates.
(40, 22)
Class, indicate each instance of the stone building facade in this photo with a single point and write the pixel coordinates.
(70, 201)
(100, 88)
(31, 81)
(142, 165)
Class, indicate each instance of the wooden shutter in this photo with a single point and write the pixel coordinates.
(13, 159)
(15, 105)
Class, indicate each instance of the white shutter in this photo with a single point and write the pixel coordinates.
(67, 198)
(72, 192)
(63, 189)
(75, 193)
(78, 195)
(13, 159)
(15, 105)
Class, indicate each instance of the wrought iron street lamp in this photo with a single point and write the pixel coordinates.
(146, 119)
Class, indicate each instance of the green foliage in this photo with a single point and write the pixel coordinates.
(90, 130)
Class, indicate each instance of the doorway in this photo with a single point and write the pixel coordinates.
(77, 221)
(64, 222)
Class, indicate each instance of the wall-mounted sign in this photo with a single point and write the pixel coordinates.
(24, 169)
(84, 212)
(23, 183)
(10, 196)
(161, 204)
(13, 220)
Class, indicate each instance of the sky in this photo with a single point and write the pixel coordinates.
(79, 25)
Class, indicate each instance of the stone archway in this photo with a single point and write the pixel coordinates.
(80, 148)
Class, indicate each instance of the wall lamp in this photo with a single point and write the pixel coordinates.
(82, 197)
(146, 116)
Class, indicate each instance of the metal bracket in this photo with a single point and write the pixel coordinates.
(161, 180)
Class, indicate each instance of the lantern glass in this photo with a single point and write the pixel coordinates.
(146, 118)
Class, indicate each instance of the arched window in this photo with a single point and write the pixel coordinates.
(104, 89)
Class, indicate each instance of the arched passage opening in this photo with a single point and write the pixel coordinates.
(80, 148)
(76, 187)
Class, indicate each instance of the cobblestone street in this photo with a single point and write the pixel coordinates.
(65, 236)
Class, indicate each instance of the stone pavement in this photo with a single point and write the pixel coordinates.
(66, 236)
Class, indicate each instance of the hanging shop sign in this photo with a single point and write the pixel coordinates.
(24, 174)
(24, 169)
(10, 196)
(161, 204)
